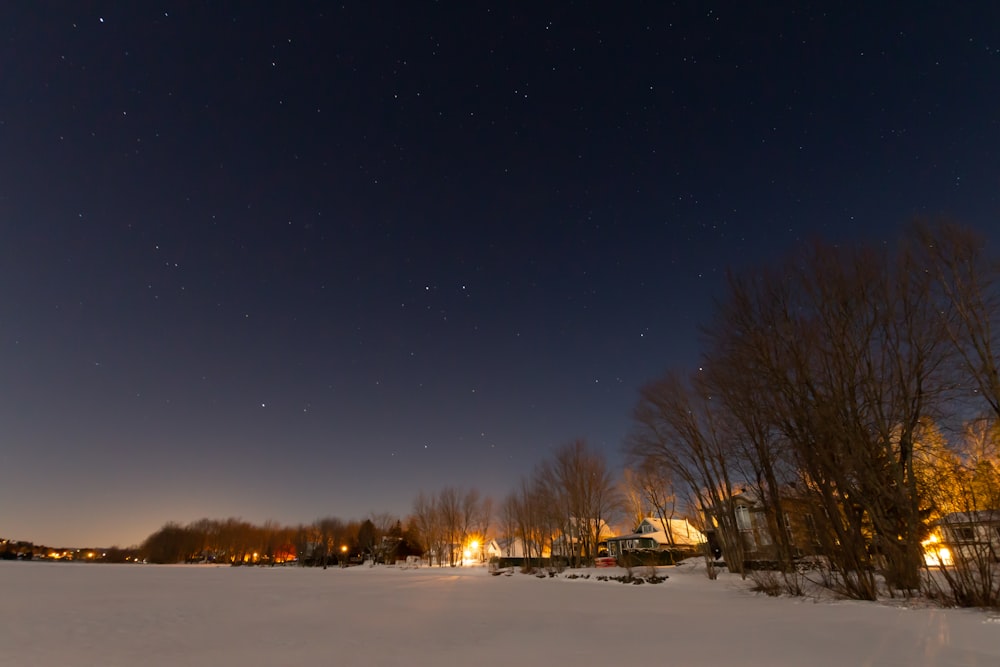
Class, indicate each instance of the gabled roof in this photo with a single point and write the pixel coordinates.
(683, 532)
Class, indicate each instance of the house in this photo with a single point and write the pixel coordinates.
(756, 532)
(514, 547)
(971, 536)
(654, 535)
(492, 549)
(570, 544)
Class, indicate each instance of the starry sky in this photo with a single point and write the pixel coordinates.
(290, 260)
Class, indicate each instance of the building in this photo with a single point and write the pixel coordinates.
(971, 536)
(673, 538)
(756, 532)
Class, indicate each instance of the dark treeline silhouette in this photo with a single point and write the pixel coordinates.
(326, 541)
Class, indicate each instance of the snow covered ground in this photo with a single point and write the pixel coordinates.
(111, 615)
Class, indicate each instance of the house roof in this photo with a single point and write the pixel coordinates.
(978, 516)
(683, 532)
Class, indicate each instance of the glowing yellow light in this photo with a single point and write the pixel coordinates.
(934, 555)
(474, 545)
(343, 549)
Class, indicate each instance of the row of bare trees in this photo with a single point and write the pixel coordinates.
(563, 508)
(448, 521)
(826, 374)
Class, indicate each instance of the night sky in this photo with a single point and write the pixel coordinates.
(290, 260)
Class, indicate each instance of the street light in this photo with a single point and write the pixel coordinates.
(343, 556)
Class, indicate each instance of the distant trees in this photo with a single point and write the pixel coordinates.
(563, 509)
(526, 520)
(171, 544)
(427, 524)
(447, 522)
(231, 541)
(329, 534)
(326, 541)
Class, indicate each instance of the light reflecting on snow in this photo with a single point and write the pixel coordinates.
(57, 613)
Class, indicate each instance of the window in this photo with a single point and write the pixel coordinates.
(788, 528)
(964, 533)
(811, 531)
(743, 518)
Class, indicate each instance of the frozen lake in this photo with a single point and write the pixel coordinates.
(111, 615)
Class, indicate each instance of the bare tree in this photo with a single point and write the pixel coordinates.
(847, 356)
(526, 507)
(468, 515)
(682, 431)
(508, 520)
(969, 280)
(584, 495)
(760, 458)
(481, 520)
(427, 523)
(650, 490)
(449, 505)
(634, 504)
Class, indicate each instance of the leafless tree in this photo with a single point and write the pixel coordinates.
(651, 491)
(634, 504)
(760, 457)
(682, 431)
(969, 280)
(527, 507)
(427, 523)
(584, 495)
(449, 504)
(847, 356)
(482, 516)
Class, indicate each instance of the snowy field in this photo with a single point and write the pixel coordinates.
(128, 615)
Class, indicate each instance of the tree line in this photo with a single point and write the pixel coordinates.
(326, 541)
(569, 497)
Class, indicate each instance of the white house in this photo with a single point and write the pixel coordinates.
(972, 535)
(568, 545)
(653, 534)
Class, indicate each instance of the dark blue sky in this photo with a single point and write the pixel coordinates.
(281, 261)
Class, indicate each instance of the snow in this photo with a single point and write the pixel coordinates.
(111, 615)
